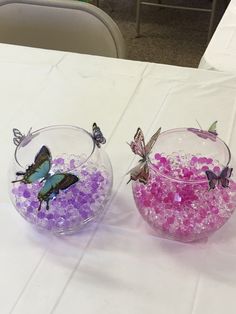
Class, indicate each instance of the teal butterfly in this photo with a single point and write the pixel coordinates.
(39, 170)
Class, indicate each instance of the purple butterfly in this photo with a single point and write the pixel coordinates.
(222, 179)
(22, 139)
(210, 134)
(98, 136)
(138, 146)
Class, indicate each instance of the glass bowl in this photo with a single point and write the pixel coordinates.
(60, 178)
(190, 192)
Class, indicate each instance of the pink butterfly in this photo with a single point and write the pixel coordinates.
(210, 134)
(138, 147)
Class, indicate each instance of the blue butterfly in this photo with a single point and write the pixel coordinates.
(39, 170)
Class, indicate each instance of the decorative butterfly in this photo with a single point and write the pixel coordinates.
(222, 179)
(22, 139)
(138, 147)
(39, 170)
(210, 134)
(98, 136)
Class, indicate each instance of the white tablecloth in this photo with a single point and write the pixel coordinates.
(221, 52)
(118, 265)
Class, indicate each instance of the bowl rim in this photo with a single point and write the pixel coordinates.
(51, 127)
(185, 129)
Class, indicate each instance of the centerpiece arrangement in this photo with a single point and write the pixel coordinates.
(183, 184)
(61, 178)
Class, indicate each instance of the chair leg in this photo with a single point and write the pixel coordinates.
(138, 5)
(212, 18)
(97, 3)
(138, 13)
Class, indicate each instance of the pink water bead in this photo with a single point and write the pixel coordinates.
(157, 156)
(194, 159)
(177, 201)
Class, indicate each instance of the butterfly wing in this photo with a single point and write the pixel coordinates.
(55, 183)
(28, 138)
(18, 136)
(152, 142)
(212, 179)
(43, 154)
(98, 136)
(68, 180)
(140, 173)
(138, 144)
(203, 134)
(39, 169)
(144, 174)
(198, 132)
(224, 176)
(212, 128)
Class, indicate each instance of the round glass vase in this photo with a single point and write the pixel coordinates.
(74, 182)
(177, 201)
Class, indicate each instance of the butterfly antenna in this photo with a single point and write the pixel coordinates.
(129, 180)
(29, 132)
(199, 125)
(21, 180)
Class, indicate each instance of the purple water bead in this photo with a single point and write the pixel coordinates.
(30, 209)
(41, 215)
(34, 204)
(60, 222)
(101, 178)
(84, 214)
(15, 191)
(74, 189)
(18, 204)
(84, 172)
(60, 161)
(26, 194)
(50, 216)
(94, 186)
(64, 203)
(21, 187)
(72, 164)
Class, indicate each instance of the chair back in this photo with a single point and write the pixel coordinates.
(65, 25)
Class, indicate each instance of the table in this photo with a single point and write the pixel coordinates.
(221, 52)
(117, 265)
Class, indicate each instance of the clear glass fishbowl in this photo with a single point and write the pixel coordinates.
(191, 190)
(60, 178)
